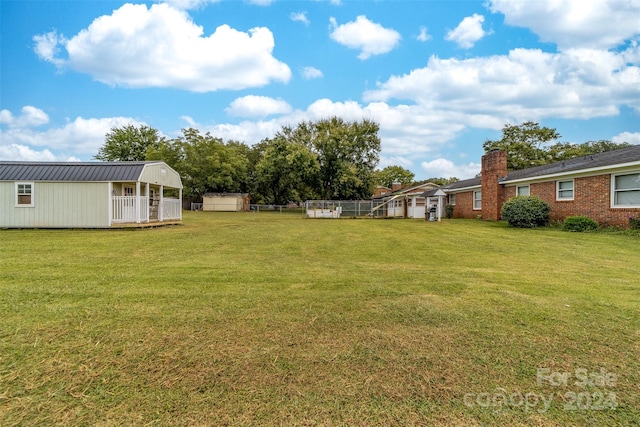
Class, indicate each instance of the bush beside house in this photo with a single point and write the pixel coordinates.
(525, 212)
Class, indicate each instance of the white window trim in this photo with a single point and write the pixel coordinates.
(573, 190)
(18, 205)
(613, 191)
(452, 199)
(523, 186)
(474, 200)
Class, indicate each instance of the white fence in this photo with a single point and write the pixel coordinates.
(171, 209)
(123, 209)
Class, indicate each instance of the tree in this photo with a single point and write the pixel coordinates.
(391, 174)
(523, 144)
(438, 181)
(128, 143)
(288, 171)
(562, 150)
(528, 145)
(209, 165)
(347, 153)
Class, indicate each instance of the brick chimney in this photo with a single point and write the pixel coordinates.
(395, 186)
(494, 167)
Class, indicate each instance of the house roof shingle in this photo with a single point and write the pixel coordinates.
(465, 183)
(71, 171)
(608, 158)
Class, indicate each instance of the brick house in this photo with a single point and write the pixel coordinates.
(603, 186)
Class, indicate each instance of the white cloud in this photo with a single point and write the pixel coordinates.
(188, 4)
(311, 73)
(83, 136)
(162, 47)
(261, 2)
(468, 32)
(369, 37)
(527, 84)
(300, 17)
(31, 116)
(47, 47)
(598, 24)
(630, 137)
(257, 106)
(23, 153)
(446, 169)
(424, 35)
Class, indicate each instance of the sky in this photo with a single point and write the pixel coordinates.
(439, 77)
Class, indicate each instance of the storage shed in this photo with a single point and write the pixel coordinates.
(226, 202)
(88, 194)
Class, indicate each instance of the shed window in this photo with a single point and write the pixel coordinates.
(522, 190)
(24, 194)
(626, 190)
(477, 200)
(564, 190)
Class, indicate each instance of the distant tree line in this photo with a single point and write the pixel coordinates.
(327, 159)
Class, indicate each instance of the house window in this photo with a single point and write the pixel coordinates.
(626, 190)
(477, 200)
(452, 199)
(522, 190)
(24, 194)
(564, 190)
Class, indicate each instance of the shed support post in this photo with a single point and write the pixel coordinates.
(137, 202)
(161, 205)
(110, 205)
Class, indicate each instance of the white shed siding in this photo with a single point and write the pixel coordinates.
(58, 204)
(160, 174)
(221, 204)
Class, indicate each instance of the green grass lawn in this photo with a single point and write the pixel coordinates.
(273, 319)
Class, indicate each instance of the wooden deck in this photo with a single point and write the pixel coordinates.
(150, 224)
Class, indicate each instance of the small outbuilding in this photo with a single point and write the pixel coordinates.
(88, 194)
(226, 202)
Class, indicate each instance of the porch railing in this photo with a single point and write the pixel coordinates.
(123, 209)
(171, 209)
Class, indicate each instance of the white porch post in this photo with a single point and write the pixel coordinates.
(137, 202)
(180, 198)
(146, 194)
(110, 203)
(439, 208)
(161, 205)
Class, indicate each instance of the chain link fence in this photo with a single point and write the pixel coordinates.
(344, 209)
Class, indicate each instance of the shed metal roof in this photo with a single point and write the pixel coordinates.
(71, 171)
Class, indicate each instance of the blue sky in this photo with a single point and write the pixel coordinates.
(440, 77)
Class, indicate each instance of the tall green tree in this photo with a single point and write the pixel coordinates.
(524, 144)
(564, 150)
(128, 143)
(391, 174)
(209, 165)
(529, 145)
(287, 171)
(347, 153)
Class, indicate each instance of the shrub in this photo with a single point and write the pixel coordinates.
(525, 212)
(579, 223)
(634, 223)
(448, 211)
